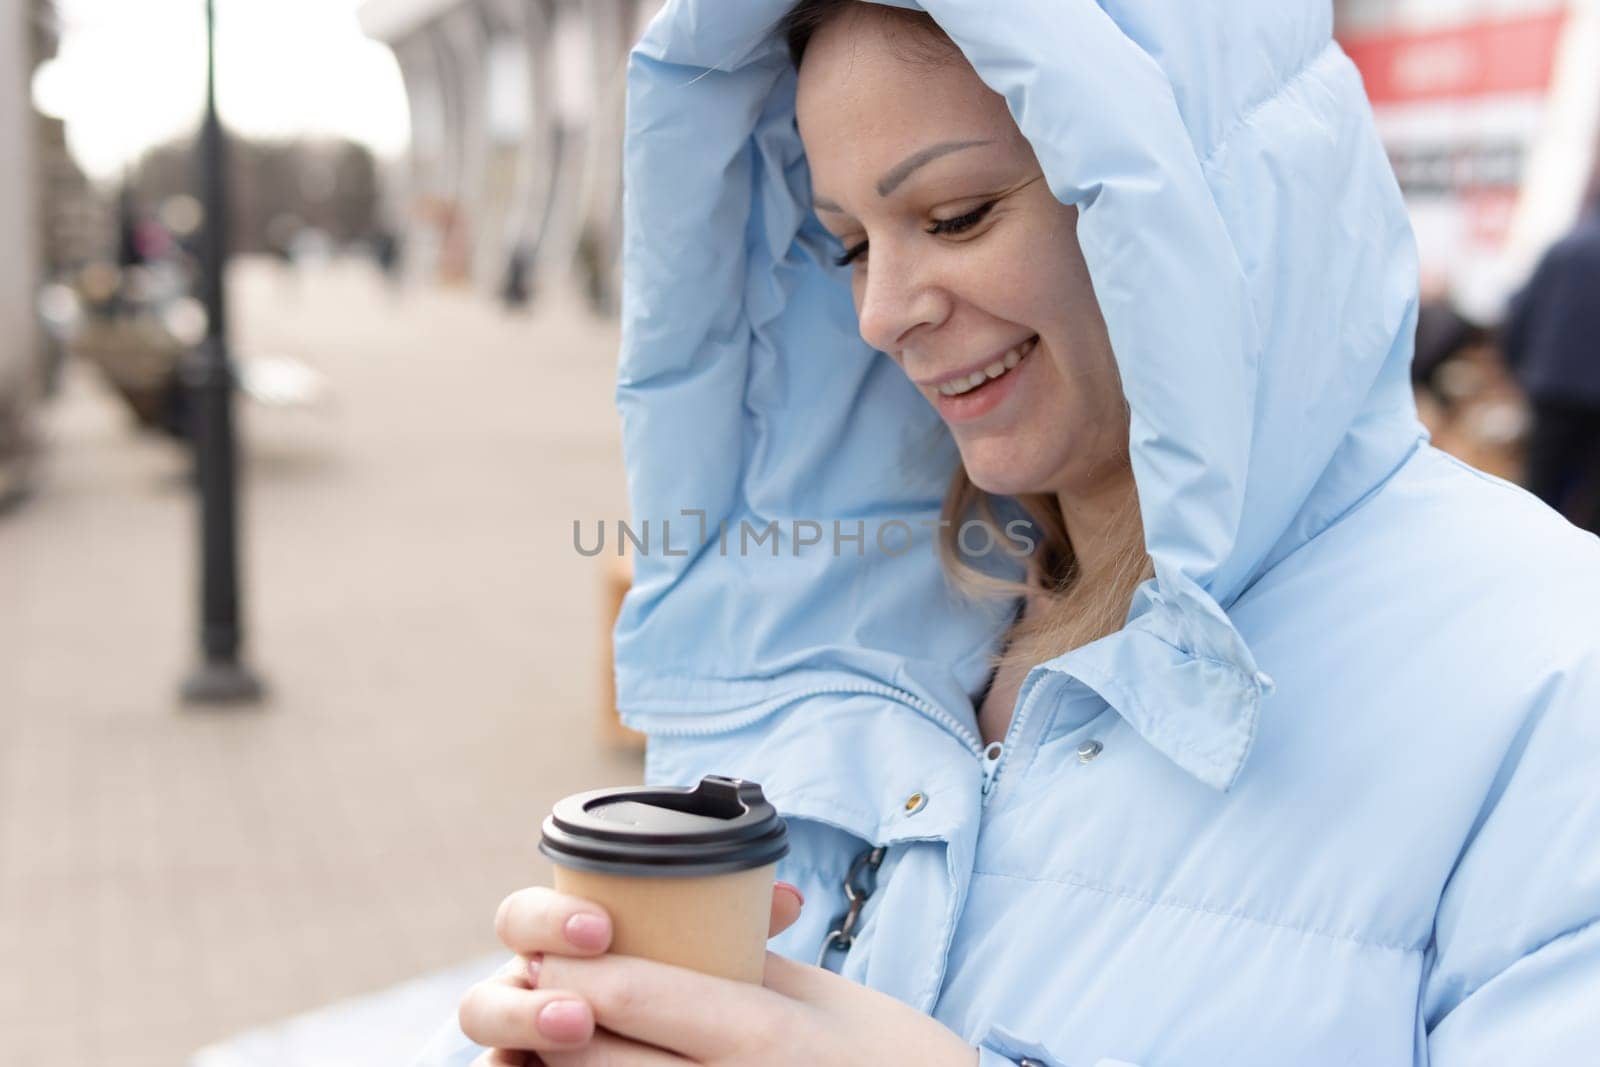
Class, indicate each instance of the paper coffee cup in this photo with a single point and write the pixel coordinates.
(685, 873)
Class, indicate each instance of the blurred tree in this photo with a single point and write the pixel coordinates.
(331, 186)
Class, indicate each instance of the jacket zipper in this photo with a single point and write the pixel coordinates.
(995, 754)
(991, 763)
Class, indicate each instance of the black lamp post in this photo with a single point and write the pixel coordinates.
(220, 677)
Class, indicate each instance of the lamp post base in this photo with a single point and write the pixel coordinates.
(222, 682)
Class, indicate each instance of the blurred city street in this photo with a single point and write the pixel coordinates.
(429, 637)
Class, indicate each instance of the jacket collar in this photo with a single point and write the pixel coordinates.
(1198, 712)
(1180, 673)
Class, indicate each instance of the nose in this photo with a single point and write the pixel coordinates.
(895, 296)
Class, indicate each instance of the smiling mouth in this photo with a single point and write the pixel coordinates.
(998, 369)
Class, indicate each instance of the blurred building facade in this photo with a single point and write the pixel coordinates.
(516, 110)
(52, 223)
(24, 29)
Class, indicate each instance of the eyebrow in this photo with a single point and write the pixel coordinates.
(898, 173)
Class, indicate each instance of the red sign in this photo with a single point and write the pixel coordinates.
(1487, 58)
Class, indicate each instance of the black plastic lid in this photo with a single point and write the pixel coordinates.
(718, 826)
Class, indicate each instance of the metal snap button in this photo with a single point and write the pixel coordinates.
(1089, 750)
(915, 803)
(1029, 1062)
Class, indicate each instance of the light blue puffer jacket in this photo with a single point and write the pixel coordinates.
(1330, 796)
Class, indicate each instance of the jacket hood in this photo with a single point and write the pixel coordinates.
(1256, 270)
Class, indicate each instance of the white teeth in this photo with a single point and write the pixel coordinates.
(992, 371)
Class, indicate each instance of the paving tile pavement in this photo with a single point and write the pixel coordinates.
(169, 876)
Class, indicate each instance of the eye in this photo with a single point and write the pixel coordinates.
(961, 222)
(851, 254)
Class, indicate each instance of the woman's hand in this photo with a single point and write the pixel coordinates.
(539, 922)
(633, 1012)
(653, 1015)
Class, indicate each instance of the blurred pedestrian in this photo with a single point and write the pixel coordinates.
(516, 288)
(1443, 334)
(129, 251)
(1551, 339)
(386, 253)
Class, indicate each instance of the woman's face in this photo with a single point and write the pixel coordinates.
(965, 266)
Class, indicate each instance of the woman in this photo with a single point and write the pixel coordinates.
(1279, 746)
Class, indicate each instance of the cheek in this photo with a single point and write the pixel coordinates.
(1038, 280)
(1018, 275)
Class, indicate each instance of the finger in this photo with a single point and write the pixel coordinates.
(538, 919)
(609, 1050)
(786, 905)
(514, 974)
(498, 1015)
(695, 1015)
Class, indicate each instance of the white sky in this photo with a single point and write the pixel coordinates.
(132, 75)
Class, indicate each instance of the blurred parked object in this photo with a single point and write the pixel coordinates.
(133, 345)
(1552, 340)
(134, 325)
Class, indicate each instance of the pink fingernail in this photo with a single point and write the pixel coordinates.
(565, 1020)
(586, 930)
(795, 890)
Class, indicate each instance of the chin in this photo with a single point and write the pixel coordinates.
(1001, 475)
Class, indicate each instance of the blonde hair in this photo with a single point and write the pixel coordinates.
(1065, 609)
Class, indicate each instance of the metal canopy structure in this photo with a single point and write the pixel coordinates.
(516, 118)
